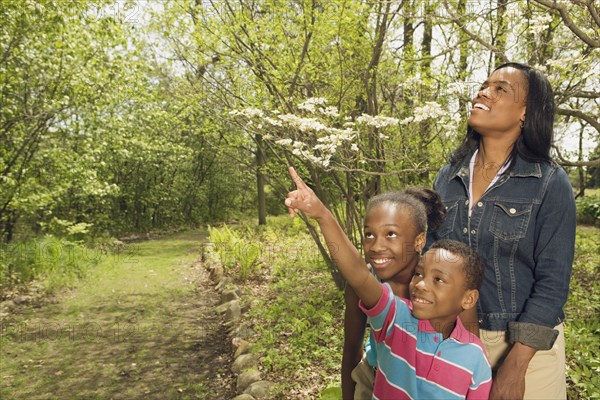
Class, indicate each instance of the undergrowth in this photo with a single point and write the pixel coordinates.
(582, 327)
(297, 311)
(54, 262)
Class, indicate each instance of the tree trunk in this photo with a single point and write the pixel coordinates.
(260, 181)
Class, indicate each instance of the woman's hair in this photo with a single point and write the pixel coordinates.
(423, 204)
(535, 139)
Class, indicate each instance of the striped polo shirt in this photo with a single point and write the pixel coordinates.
(415, 362)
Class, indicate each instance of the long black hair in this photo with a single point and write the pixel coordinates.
(536, 136)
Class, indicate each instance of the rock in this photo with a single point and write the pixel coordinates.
(216, 273)
(7, 305)
(243, 397)
(231, 309)
(22, 299)
(247, 378)
(260, 389)
(224, 282)
(243, 348)
(235, 342)
(243, 331)
(244, 362)
(228, 295)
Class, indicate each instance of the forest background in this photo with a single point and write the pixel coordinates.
(126, 117)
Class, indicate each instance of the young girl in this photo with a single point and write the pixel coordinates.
(393, 255)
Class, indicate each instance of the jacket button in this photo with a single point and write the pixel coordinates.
(480, 204)
(512, 211)
(473, 232)
(466, 202)
(465, 230)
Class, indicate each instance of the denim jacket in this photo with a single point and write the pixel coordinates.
(524, 228)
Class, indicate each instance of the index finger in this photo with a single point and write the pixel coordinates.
(297, 180)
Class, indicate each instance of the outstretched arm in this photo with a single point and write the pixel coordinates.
(344, 254)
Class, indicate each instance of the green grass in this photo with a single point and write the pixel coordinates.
(129, 330)
(582, 325)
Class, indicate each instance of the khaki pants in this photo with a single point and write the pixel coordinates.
(545, 378)
(364, 376)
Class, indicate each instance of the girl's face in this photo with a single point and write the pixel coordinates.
(391, 244)
(500, 104)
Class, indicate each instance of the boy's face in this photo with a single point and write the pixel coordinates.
(390, 242)
(438, 289)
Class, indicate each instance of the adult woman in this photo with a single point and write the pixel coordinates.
(515, 207)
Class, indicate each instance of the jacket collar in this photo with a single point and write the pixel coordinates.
(520, 169)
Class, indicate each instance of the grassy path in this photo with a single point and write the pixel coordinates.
(141, 326)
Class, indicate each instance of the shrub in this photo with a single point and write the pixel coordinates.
(588, 209)
(58, 262)
(235, 251)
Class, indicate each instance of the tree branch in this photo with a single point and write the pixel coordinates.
(567, 163)
(583, 94)
(564, 14)
(581, 115)
(473, 36)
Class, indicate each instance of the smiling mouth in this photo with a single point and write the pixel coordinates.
(378, 262)
(419, 300)
(481, 107)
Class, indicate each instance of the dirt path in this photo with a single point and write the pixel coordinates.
(141, 326)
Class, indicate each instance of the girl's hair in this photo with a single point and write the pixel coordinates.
(424, 205)
(535, 140)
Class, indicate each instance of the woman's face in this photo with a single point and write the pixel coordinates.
(499, 106)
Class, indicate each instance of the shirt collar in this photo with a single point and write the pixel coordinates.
(459, 333)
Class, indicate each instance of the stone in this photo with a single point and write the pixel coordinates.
(231, 309)
(236, 342)
(228, 295)
(243, 396)
(223, 283)
(216, 273)
(243, 331)
(23, 300)
(244, 362)
(260, 389)
(247, 378)
(7, 305)
(244, 347)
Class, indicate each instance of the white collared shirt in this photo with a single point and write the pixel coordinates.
(471, 167)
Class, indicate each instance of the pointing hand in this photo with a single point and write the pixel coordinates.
(303, 199)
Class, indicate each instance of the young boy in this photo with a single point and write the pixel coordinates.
(423, 350)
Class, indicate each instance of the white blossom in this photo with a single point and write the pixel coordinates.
(273, 121)
(330, 111)
(311, 103)
(539, 23)
(303, 124)
(378, 121)
(248, 112)
(431, 110)
(284, 142)
(407, 120)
